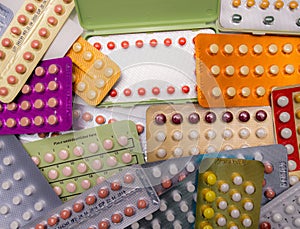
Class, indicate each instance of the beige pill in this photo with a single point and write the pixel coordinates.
(215, 70)
(228, 48)
(231, 92)
(77, 47)
(246, 91)
(24, 121)
(38, 104)
(53, 69)
(229, 70)
(99, 83)
(289, 69)
(11, 122)
(216, 92)
(25, 105)
(260, 91)
(11, 106)
(39, 87)
(87, 56)
(243, 49)
(213, 48)
(52, 86)
(81, 86)
(257, 49)
(259, 70)
(52, 102)
(52, 120)
(91, 94)
(98, 64)
(273, 49)
(244, 70)
(274, 69)
(287, 48)
(108, 72)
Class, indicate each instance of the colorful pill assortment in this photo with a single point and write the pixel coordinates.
(101, 204)
(241, 70)
(94, 72)
(283, 211)
(26, 40)
(182, 130)
(149, 55)
(229, 193)
(25, 194)
(75, 162)
(285, 106)
(6, 15)
(260, 17)
(45, 102)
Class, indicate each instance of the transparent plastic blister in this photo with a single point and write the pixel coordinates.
(115, 203)
(6, 15)
(75, 162)
(25, 194)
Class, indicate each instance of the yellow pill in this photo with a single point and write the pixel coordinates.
(279, 4)
(250, 3)
(211, 179)
(297, 98)
(210, 196)
(293, 5)
(298, 129)
(236, 3)
(264, 4)
(298, 114)
(207, 227)
(208, 213)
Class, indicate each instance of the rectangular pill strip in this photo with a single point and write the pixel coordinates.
(36, 24)
(241, 70)
(45, 102)
(260, 17)
(25, 194)
(149, 55)
(115, 203)
(188, 129)
(74, 162)
(95, 73)
(229, 193)
(285, 108)
(6, 15)
(283, 211)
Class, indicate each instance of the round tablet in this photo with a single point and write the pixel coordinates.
(286, 133)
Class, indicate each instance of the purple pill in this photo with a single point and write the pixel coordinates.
(160, 119)
(261, 115)
(244, 116)
(177, 118)
(194, 118)
(227, 117)
(210, 117)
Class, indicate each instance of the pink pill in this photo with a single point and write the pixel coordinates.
(85, 184)
(6, 42)
(28, 56)
(52, 174)
(59, 9)
(111, 161)
(126, 157)
(93, 147)
(30, 7)
(52, 21)
(35, 44)
(20, 68)
(15, 31)
(12, 79)
(3, 91)
(36, 160)
(49, 157)
(170, 90)
(63, 154)
(2, 55)
(67, 171)
(57, 190)
(43, 32)
(81, 167)
(39, 71)
(100, 180)
(108, 144)
(123, 140)
(71, 187)
(96, 164)
(22, 19)
(78, 151)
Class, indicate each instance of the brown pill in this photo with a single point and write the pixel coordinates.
(269, 193)
(268, 167)
(39, 71)
(39, 87)
(52, 120)
(52, 86)
(43, 135)
(129, 211)
(24, 121)
(87, 117)
(38, 121)
(103, 192)
(116, 218)
(25, 105)
(38, 104)
(142, 203)
(115, 186)
(40, 226)
(128, 178)
(65, 214)
(78, 207)
(53, 220)
(103, 224)
(11, 106)
(166, 183)
(26, 89)
(89, 200)
(1, 107)
(52, 102)
(53, 69)
(11, 122)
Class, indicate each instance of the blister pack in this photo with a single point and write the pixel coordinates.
(45, 103)
(6, 15)
(229, 193)
(285, 106)
(75, 162)
(188, 129)
(283, 211)
(260, 17)
(26, 40)
(87, 116)
(148, 73)
(241, 70)
(115, 203)
(94, 73)
(25, 194)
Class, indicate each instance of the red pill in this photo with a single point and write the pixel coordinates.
(185, 89)
(265, 225)
(100, 119)
(103, 192)
(52, 21)
(59, 9)
(6, 42)
(140, 128)
(139, 43)
(40, 226)
(127, 92)
(153, 42)
(36, 44)
(22, 19)
(26, 89)
(111, 45)
(170, 90)
(87, 117)
(43, 32)
(104, 224)
(30, 8)
(125, 44)
(115, 186)
(182, 41)
(53, 220)
(142, 203)
(128, 178)
(3, 91)
(269, 193)
(90, 200)
(141, 91)
(2, 55)
(166, 183)
(78, 207)
(65, 214)
(28, 56)
(129, 211)
(268, 167)
(15, 31)
(155, 91)
(116, 218)
(12, 80)
(167, 42)
(113, 93)
(97, 45)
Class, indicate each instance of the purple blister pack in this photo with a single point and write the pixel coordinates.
(45, 103)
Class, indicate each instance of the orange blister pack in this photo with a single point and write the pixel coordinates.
(241, 70)
(94, 73)
(26, 40)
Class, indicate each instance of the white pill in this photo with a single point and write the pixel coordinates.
(87, 55)
(236, 197)
(229, 70)
(190, 187)
(156, 172)
(247, 222)
(170, 216)
(160, 136)
(18, 175)
(216, 92)
(235, 213)
(190, 167)
(286, 133)
(257, 49)
(248, 206)
(8, 160)
(224, 187)
(163, 206)
(274, 69)
(176, 196)
(14, 225)
(6, 185)
(243, 49)
(210, 134)
(249, 189)
(211, 149)
(221, 221)
(228, 48)
(214, 48)
(17, 200)
(81, 86)
(289, 69)
(4, 210)
(296, 222)
(228, 147)
(259, 70)
(190, 217)
(155, 224)
(27, 215)
(292, 165)
(237, 180)
(246, 91)
(288, 48)
(91, 94)
(293, 180)
(260, 91)
(173, 169)
(244, 70)
(98, 64)
(222, 205)
(29, 190)
(290, 209)
(194, 150)
(77, 47)
(284, 117)
(39, 206)
(177, 135)
(99, 83)
(178, 152)
(290, 148)
(244, 133)
(261, 133)
(161, 153)
(135, 225)
(258, 156)
(273, 49)
(177, 225)
(183, 206)
(149, 217)
(231, 91)
(215, 70)
(108, 72)
(194, 134)
(277, 217)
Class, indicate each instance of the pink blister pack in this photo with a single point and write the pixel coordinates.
(24, 193)
(285, 107)
(283, 211)
(151, 65)
(115, 203)
(45, 103)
